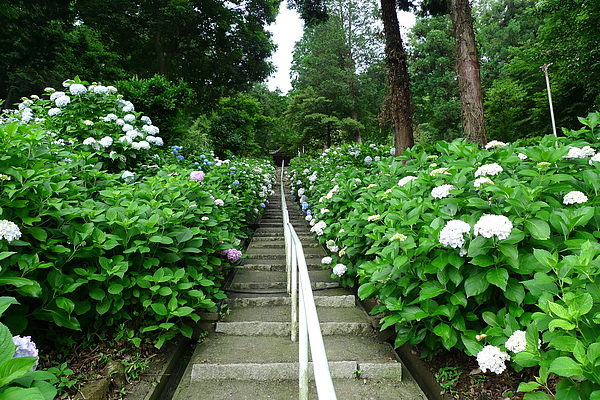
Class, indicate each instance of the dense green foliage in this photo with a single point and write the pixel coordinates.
(107, 251)
(534, 269)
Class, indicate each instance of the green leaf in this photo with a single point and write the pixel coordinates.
(159, 308)
(366, 290)
(593, 352)
(15, 367)
(498, 277)
(97, 294)
(5, 302)
(565, 366)
(546, 258)
(559, 310)
(66, 304)
(536, 396)
(595, 395)
(476, 284)
(19, 393)
(38, 233)
(6, 254)
(7, 346)
(539, 229)
(562, 324)
(430, 289)
(528, 386)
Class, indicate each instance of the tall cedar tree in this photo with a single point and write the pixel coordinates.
(314, 11)
(398, 79)
(467, 65)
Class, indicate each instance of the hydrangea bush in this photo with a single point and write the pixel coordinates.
(512, 247)
(133, 251)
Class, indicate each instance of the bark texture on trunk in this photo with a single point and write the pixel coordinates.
(467, 68)
(399, 84)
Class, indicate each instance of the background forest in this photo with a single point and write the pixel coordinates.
(198, 67)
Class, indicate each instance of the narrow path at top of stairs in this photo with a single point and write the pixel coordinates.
(251, 356)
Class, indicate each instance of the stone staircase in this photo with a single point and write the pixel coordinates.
(251, 356)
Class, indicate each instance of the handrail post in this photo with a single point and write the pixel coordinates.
(305, 327)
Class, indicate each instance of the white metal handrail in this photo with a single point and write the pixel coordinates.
(306, 326)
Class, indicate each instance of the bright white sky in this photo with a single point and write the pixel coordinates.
(287, 30)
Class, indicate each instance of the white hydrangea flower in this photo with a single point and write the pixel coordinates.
(324, 210)
(89, 141)
(595, 158)
(452, 234)
(406, 179)
(440, 171)
(56, 95)
(575, 197)
(331, 246)
(318, 227)
(146, 120)
(119, 122)
(439, 192)
(129, 118)
(522, 156)
(492, 358)
(516, 342)
(126, 140)
(340, 269)
(9, 230)
(488, 169)
(375, 217)
(482, 180)
(99, 89)
(301, 191)
(127, 128)
(54, 111)
(155, 140)
(106, 141)
(141, 145)
(62, 101)
(326, 260)
(308, 218)
(584, 152)
(399, 237)
(128, 176)
(87, 122)
(77, 89)
(495, 144)
(493, 225)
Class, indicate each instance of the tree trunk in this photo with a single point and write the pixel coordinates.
(467, 66)
(399, 84)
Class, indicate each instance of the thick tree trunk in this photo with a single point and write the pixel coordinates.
(399, 84)
(467, 65)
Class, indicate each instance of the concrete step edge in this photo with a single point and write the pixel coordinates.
(290, 371)
(266, 301)
(260, 328)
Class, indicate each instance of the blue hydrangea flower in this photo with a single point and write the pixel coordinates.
(236, 182)
(304, 205)
(175, 152)
(180, 158)
(202, 156)
(263, 205)
(368, 160)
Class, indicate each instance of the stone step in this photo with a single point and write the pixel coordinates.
(346, 389)
(279, 244)
(270, 279)
(242, 300)
(282, 314)
(311, 254)
(290, 371)
(219, 348)
(259, 328)
(282, 285)
(275, 265)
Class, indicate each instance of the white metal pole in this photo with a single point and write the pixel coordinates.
(303, 351)
(545, 69)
